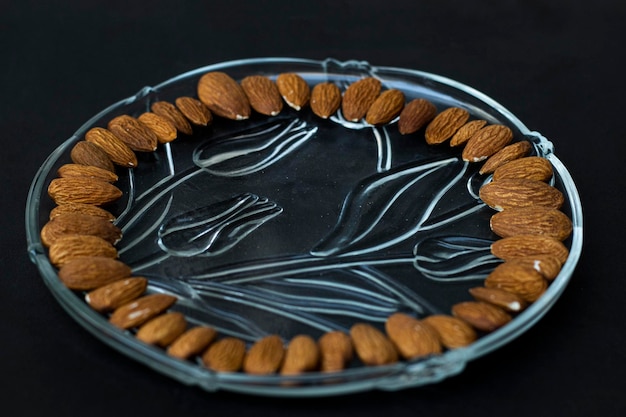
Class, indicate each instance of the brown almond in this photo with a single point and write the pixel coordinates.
(515, 193)
(325, 99)
(372, 346)
(139, 311)
(193, 342)
(87, 171)
(265, 356)
(116, 294)
(119, 152)
(445, 124)
(223, 96)
(79, 224)
(529, 245)
(482, 316)
(162, 330)
(506, 300)
(517, 279)
(294, 90)
(262, 94)
(336, 351)
(413, 338)
(359, 97)
(225, 355)
(82, 190)
(453, 332)
(530, 168)
(194, 110)
(506, 154)
(133, 133)
(415, 114)
(531, 221)
(466, 131)
(67, 247)
(302, 355)
(546, 265)
(385, 108)
(80, 208)
(86, 153)
(162, 128)
(170, 112)
(89, 272)
(486, 142)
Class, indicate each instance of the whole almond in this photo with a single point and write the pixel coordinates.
(302, 355)
(517, 279)
(118, 151)
(193, 342)
(482, 316)
(530, 168)
(336, 351)
(486, 142)
(466, 131)
(325, 99)
(66, 247)
(294, 90)
(86, 153)
(453, 332)
(265, 356)
(133, 133)
(372, 346)
(194, 110)
(529, 245)
(385, 108)
(358, 98)
(87, 171)
(225, 355)
(89, 272)
(116, 294)
(80, 208)
(506, 154)
(139, 311)
(170, 112)
(415, 114)
(162, 128)
(162, 330)
(515, 193)
(506, 300)
(223, 96)
(413, 338)
(546, 265)
(82, 190)
(262, 94)
(531, 221)
(79, 224)
(445, 124)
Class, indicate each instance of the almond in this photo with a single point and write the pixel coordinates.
(507, 301)
(191, 343)
(445, 124)
(170, 112)
(79, 224)
(162, 128)
(133, 133)
(86, 153)
(336, 351)
(358, 98)
(529, 245)
(482, 316)
(546, 265)
(86, 171)
(453, 332)
(265, 356)
(294, 90)
(119, 152)
(116, 294)
(372, 346)
(225, 355)
(66, 247)
(141, 310)
(517, 279)
(385, 108)
(194, 110)
(223, 96)
(162, 330)
(80, 208)
(82, 190)
(530, 168)
(325, 99)
(515, 193)
(531, 221)
(415, 114)
(262, 94)
(466, 131)
(89, 272)
(413, 338)
(302, 355)
(506, 154)
(486, 142)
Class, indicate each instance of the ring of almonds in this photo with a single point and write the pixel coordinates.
(81, 237)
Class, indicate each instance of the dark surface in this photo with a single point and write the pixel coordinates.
(555, 65)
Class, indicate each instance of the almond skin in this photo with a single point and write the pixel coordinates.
(223, 96)
(194, 110)
(482, 316)
(531, 221)
(530, 168)
(162, 128)
(162, 330)
(294, 90)
(336, 351)
(385, 108)
(193, 342)
(506, 154)
(517, 279)
(453, 332)
(133, 133)
(265, 356)
(86, 171)
(116, 294)
(415, 114)
(170, 112)
(359, 97)
(372, 346)
(262, 94)
(141, 310)
(325, 99)
(225, 355)
(82, 190)
(86, 153)
(445, 124)
(67, 247)
(516, 193)
(466, 131)
(486, 142)
(79, 224)
(413, 338)
(507, 301)
(115, 148)
(546, 265)
(302, 355)
(529, 245)
(90, 272)
(80, 208)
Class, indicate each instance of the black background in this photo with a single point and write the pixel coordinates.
(557, 65)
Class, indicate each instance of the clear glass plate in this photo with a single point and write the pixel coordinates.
(293, 224)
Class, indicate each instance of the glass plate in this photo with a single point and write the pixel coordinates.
(293, 224)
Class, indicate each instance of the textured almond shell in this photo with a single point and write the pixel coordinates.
(531, 221)
(265, 356)
(294, 90)
(66, 247)
(119, 152)
(162, 330)
(223, 96)
(482, 316)
(80, 208)
(507, 301)
(530, 168)
(415, 114)
(302, 355)
(486, 142)
(79, 224)
(529, 245)
(506, 154)
(466, 131)
(133, 133)
(86, 171)
(515, 193)
(413, 338)
(385, 108)
(141, 310)
(358, 98)
(87, 153)
(113, 295)
(517, 279)
(82, 190)
(193, 342)
(325, 99)
(162, 128)
(262, 94)
(372, 346)
(170, 112)
(453, 332)
(194, 110)
(225, 355)
(445, 124)
(89, 272)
